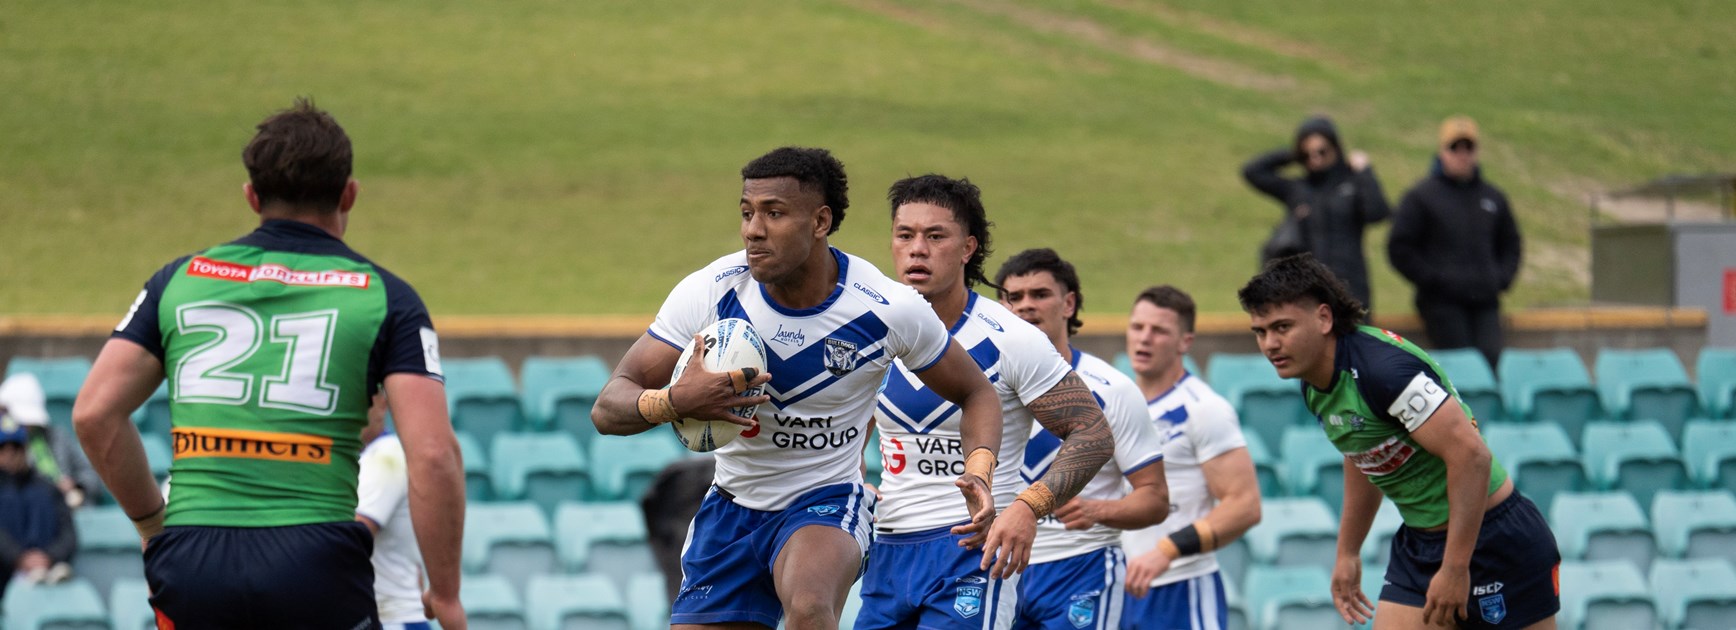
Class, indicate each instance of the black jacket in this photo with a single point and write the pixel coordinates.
(1341, 202)
(1455, 240)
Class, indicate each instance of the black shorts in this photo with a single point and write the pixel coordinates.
(301, 576)
(1514, 569)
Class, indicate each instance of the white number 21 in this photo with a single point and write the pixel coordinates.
(206, 374)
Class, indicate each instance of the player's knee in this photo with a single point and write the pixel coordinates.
(811, 611)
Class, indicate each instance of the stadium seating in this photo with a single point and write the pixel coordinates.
(482, 397)
(60, 377)
(603, 538)
(1646, 385)
(1695, 524)
(1236, 617)
(1299, 531)
(158, 453)
(478, 482)
(559, 393)
(575, 602)
(1125, 364)
(1608, 595)
(648, 602)
(1475, 381)
(1716, 371)
(1377, 547)
(543, 468)
(1602, 526)
(1313, 466)
(1234, 559)
(130, 605)
(510, 540)
(1636, 457)
(1291, 597)
(491, 603)
(1548, 385)
(625, 466)
(108, 547)
(1265, 467)
(70, 605)
(153, 416)
(1539, 458)
(1710, 451)
(873, 462)
(1266, 402)
(1695, 593)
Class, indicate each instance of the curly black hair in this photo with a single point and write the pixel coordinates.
(814, 169)
(1044, 259)
(1296, 278)
(965, 201)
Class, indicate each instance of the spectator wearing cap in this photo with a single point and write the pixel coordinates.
(36, 532)
(53, 451)
(1455, 239)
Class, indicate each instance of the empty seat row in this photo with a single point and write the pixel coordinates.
(548, 468)
(1636, 457)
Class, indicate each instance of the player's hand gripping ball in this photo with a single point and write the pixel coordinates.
(730, 344)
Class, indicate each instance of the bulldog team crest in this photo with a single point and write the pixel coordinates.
(840, 356)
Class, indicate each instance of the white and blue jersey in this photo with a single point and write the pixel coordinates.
(826, 363)
(1197, 426)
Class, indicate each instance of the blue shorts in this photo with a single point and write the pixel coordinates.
(727, 565)
(1196, 603)
(925, 580)
(1083, 591)
(1514, 567)
(414, 625)
(300, 576)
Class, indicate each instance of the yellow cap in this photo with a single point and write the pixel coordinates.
(1458, 128)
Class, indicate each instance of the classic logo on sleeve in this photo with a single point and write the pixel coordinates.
(220, 270)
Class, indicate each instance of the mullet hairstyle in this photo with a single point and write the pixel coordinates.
(1299, 279)
(1044, 259)
(965, 201)
(814, 169)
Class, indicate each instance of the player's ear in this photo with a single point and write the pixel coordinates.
(252, 197)
(970, 248)
(1072, 303)
(1324, 313)
(822, 221)
(347, 200)
(1187, 340)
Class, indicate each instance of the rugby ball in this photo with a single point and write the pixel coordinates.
(729, 344)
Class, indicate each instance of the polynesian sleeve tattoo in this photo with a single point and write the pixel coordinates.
(1069, 411)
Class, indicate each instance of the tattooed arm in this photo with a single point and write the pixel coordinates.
(1069, 411)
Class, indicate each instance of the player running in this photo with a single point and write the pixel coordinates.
(1396, 417)
(1077, 566)
(273, 346)
(785, 526)
(922, 572)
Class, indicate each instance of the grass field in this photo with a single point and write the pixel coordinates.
(580, 157)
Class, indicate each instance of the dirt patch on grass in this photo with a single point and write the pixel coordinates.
(1249, 36)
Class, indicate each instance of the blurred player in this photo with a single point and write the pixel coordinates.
(383, 504)
(1407, 435)
(273, 346)
(1077, 566)
(1172, 577)
(785, 527)
(922, 571)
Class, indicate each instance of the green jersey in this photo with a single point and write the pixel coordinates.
(1383, 388)
(273, 346)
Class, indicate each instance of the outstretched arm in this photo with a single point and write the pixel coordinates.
(1262, 173)
(436, 486)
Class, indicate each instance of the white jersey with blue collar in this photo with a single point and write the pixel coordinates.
(1197, 425)
(1137, 445)
(826, 363)
(919, 431)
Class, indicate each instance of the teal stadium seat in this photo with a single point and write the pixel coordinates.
(1716, 371)
(130, 605)
(625, 466)
(1301, 531)
(1266, 403)
(153, 416)
(108, 547)
(1236, 615)
(61, 379)
(603, 538)
(1313, 466)
(1471, 375)
(559, 393)
(1548, 385)
(491, 603)
(1193, 367)
(1607, 595)
(1265, 466)
(1234, 560)
(1636, 457)
(1291, 597)
(648, 603)
(159, 454)
(478, 482)
(575, 602)
(482, 397)
(1377, 546)
(510, 540)
(1710, 450)
(543, 468)
(1646, 384)
(1695, 593)
(1602, 526)
(70, 605)
(1695, 524)
(1539, 458)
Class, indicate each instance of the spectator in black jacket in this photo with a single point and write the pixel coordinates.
(1454, 237)
(36, 533)
(1337, 197)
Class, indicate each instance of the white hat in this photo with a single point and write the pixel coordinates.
(21, 395)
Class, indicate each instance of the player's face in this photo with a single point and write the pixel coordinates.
(1293, 336)
(1040, 299)
(781, 223)
(929, 247)
(1155, 340)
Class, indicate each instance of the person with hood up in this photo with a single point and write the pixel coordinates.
(1454, 237)
(1328, 208)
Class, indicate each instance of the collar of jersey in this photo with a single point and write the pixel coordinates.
(1075, 359)
(1185, 375)
(1340, 364)
(969, 304)
(843, 271)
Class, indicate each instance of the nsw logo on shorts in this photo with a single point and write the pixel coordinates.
(823, 510)
(1082, 610)
(967, 601)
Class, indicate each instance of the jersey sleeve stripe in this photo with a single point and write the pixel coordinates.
(658, 337)
(937, 358)
(1141, 465)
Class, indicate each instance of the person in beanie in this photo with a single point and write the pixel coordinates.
(37, 538)
(53, 451)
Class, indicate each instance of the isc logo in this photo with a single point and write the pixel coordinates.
(1486, 589)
